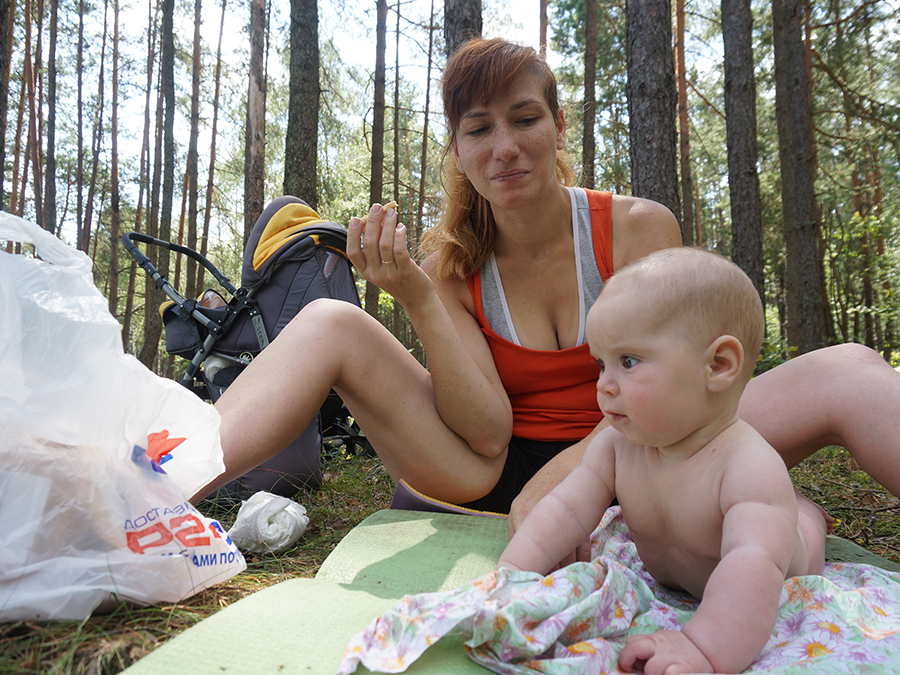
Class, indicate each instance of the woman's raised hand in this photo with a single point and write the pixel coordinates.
(376, 245)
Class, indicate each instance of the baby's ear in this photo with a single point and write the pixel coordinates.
(725, 359)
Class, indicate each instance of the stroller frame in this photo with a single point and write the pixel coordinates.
(242, 301)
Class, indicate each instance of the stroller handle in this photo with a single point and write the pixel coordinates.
(154, 274)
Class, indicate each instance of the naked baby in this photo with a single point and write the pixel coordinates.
(708, 501)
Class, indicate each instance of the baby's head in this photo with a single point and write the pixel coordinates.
(696, 294)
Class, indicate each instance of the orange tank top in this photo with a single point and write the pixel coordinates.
(553, 393)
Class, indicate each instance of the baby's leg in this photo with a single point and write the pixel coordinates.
(814, 523)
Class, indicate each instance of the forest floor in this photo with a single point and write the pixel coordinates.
(352, 489)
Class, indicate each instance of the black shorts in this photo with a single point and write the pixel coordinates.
(524, 459)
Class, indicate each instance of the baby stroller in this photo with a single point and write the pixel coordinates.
(292, 258)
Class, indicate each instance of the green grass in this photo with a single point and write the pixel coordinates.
(352, 489)
(864, 512)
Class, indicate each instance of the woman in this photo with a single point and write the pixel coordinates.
(499, 306)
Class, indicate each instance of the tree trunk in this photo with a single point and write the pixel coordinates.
(113, 296)
(396, 115)
(462, 21)
(808, 261)
(684, 132)
(302, 138)
(7, 14)
(167, 79)
(792, 311)
(142, 189)
(192, 158)
(255, 146)
(588, 143)
(210, 183)
(740, 124)
(15, 204)
(652, 102)
(542, 27)
(49, 206)
(398, 327)
(79, 134)
(32, 146)
(96, 142)
(376, 182)
(419, 226)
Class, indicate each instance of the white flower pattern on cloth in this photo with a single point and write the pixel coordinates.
(577, 619)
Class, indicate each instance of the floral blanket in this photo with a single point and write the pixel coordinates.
(577, 619)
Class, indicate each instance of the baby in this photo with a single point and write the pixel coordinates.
(708, 501)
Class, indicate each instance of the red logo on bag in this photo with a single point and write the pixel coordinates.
(160, 535)
(159, 445)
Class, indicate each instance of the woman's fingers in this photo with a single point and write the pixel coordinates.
(400, 247)
(354, 243)
(372, 233)
(386, 238)
(373, 239)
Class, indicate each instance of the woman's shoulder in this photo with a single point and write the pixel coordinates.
(640, 227)
(448, 287)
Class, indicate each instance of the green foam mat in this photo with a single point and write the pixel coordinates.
(416, 552)
(303, 625)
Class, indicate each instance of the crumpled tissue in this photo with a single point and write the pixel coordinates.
(267, 523)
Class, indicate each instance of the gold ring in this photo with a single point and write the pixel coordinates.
(387, 262)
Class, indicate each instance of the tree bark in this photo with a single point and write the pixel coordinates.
(542, 27)
(376, 182)
(7, 14)
(302, 136)
(15, 204)
(652, 102)
(192, 158)
(419, 227)
(792, 311)
(254, 157)
(113, 295)
(588, 143)
(79, 134)
(462, 21)
(396, 115)
(167, 79)
(210, 183)
(740, 125)
(32, 146)
(813, 314)
(49, 206)
(96, 142)
(684, 132)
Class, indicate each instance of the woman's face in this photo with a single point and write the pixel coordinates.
(507, 147)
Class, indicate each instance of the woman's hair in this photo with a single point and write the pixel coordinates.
(476, 72)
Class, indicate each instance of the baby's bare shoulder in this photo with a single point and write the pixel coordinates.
(755, 472)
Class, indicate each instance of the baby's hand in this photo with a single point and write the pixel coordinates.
(665, 652)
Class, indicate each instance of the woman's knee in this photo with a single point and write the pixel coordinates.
(326, 315)
(848, 359)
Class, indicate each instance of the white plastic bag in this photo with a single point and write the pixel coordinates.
(267, 523)
(87, 516)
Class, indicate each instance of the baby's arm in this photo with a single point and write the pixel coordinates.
(741, 599)
(568, 514)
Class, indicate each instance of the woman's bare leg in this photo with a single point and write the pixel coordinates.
(333, 344)
(844, 395)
